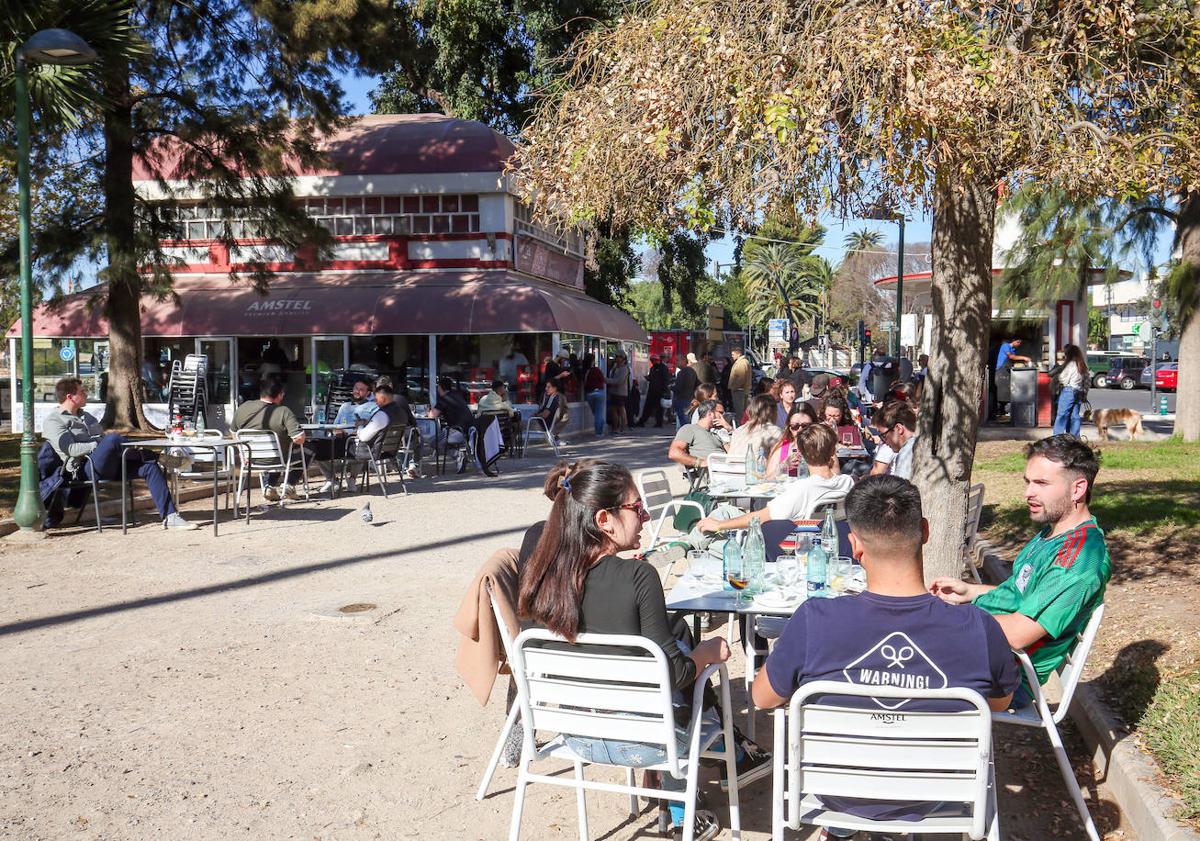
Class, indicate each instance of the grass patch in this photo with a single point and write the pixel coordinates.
(1171, 730)
(1170, 455)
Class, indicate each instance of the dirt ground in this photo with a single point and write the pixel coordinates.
(172, 685)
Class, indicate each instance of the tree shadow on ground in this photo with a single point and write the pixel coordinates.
(1131, 681)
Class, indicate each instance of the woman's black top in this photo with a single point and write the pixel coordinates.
(625, 596)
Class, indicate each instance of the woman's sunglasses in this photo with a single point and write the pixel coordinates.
(636, 507)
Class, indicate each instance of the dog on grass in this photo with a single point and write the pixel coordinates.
(1105, 418)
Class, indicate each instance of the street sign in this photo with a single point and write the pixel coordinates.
(66, 353)
(777, 331)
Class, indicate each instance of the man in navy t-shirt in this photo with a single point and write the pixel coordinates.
(894, 634)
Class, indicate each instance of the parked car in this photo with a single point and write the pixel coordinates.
(1116, 371)
(1166, 376)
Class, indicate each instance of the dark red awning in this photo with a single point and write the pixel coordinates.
(364, 303)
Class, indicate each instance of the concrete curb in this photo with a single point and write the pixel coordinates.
(112, 507)
(1130, 774)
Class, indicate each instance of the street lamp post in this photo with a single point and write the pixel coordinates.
(49, 46)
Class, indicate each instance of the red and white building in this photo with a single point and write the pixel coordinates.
(436, 268)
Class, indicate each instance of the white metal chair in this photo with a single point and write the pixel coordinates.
(974, 512)
(392, 449)
(586, 693)
(544, 431)
(221, 461)
(265, 454)
(660, 503)
(877, 753)
(1039, 714)
(507, 642)
(727, 470)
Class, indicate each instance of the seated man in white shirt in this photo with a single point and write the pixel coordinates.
(897, 425)
(823, 485)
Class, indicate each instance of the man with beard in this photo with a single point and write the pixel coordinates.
(1060, 575)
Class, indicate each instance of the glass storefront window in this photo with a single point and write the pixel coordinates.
(92, 365)
(474, 361)
(405, 359)
(48, 367)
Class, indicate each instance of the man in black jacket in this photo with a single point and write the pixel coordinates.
(656, 390)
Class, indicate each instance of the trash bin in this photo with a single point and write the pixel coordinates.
(1023, 396)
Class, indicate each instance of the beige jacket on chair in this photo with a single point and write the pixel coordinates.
(480, 651)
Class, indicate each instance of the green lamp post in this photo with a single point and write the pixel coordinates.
(49, 46)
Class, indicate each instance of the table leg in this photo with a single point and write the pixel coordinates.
(696, 627)
(124, 526)
(216, 492)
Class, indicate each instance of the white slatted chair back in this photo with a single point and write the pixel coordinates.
(725, 469)
(264, 447)
(890, 754)
(583, 692)
(655, 490)
(974, 513)
(1071, 668)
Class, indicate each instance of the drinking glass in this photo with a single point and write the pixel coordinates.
(736, 574)
(787, 570)
(840, 571)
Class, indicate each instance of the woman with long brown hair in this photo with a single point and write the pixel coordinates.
(575, 583)
(704, 393)
(1073, 378)
(785, 457)
(759, 432)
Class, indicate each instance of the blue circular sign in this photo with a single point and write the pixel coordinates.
(66, 353)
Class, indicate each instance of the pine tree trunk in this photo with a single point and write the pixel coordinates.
(963, 221)
(1187, 396)
(123, 305)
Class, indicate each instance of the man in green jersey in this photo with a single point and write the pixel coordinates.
(1059, 576)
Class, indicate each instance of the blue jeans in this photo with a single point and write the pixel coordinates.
(681, 415)
(642, 755)
(106, 461)
(1068, 418)
(595, 401)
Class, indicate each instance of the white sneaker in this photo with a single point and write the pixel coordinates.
(329, 487)
(177, 523)
(271, 493)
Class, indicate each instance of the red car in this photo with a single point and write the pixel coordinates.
(1167, 376)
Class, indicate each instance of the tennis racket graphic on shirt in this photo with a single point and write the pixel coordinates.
(896, 660)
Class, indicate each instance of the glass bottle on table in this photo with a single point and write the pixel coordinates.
(817, 569)
(754, 557)
(829, 533)
(751, 465)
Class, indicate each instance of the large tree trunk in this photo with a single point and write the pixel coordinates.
(123, 305)
(963, 220)
(1187, 398)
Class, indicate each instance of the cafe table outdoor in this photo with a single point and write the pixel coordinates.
(222, 445)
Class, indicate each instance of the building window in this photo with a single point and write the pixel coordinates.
(568, 240)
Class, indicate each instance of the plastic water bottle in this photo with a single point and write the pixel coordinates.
(754, 555)
(829, 532)
(818, 564)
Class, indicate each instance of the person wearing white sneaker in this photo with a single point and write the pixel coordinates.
(74, 433)
(269, 413)
(177, 523)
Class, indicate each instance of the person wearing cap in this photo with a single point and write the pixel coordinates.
(741, 378)
(656, 390)
(818, 392)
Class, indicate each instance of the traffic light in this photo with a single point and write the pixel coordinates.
(867, 336)
(1157, 304)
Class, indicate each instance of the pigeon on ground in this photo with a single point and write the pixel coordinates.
(366, 514)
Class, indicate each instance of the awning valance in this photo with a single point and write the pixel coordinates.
(363, 303)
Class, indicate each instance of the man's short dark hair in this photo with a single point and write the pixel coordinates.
(365, 381)
(897, 411)
(706, 408)
(384, 388)
(885, 507)
(270, 387)
(498, 384)
(1071, 454)
(67, 386)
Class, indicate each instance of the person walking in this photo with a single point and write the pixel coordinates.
(683, 389)
(1073, 378)
(656, 390)
(741, 378)
(706, 372)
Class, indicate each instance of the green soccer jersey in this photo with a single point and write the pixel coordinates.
(1057, 582)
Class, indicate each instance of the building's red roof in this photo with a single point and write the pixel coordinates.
(390, 144)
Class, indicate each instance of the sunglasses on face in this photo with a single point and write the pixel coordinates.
(636, 507)
(796, 426)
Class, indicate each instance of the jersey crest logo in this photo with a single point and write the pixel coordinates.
(1023, 577)
(895, 661)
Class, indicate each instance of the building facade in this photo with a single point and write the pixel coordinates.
(435, 268)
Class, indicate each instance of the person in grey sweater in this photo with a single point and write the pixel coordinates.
(85, 448)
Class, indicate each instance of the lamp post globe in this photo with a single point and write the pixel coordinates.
(48, 46)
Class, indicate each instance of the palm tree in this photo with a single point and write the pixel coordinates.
(779, 278)
(865, 240)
